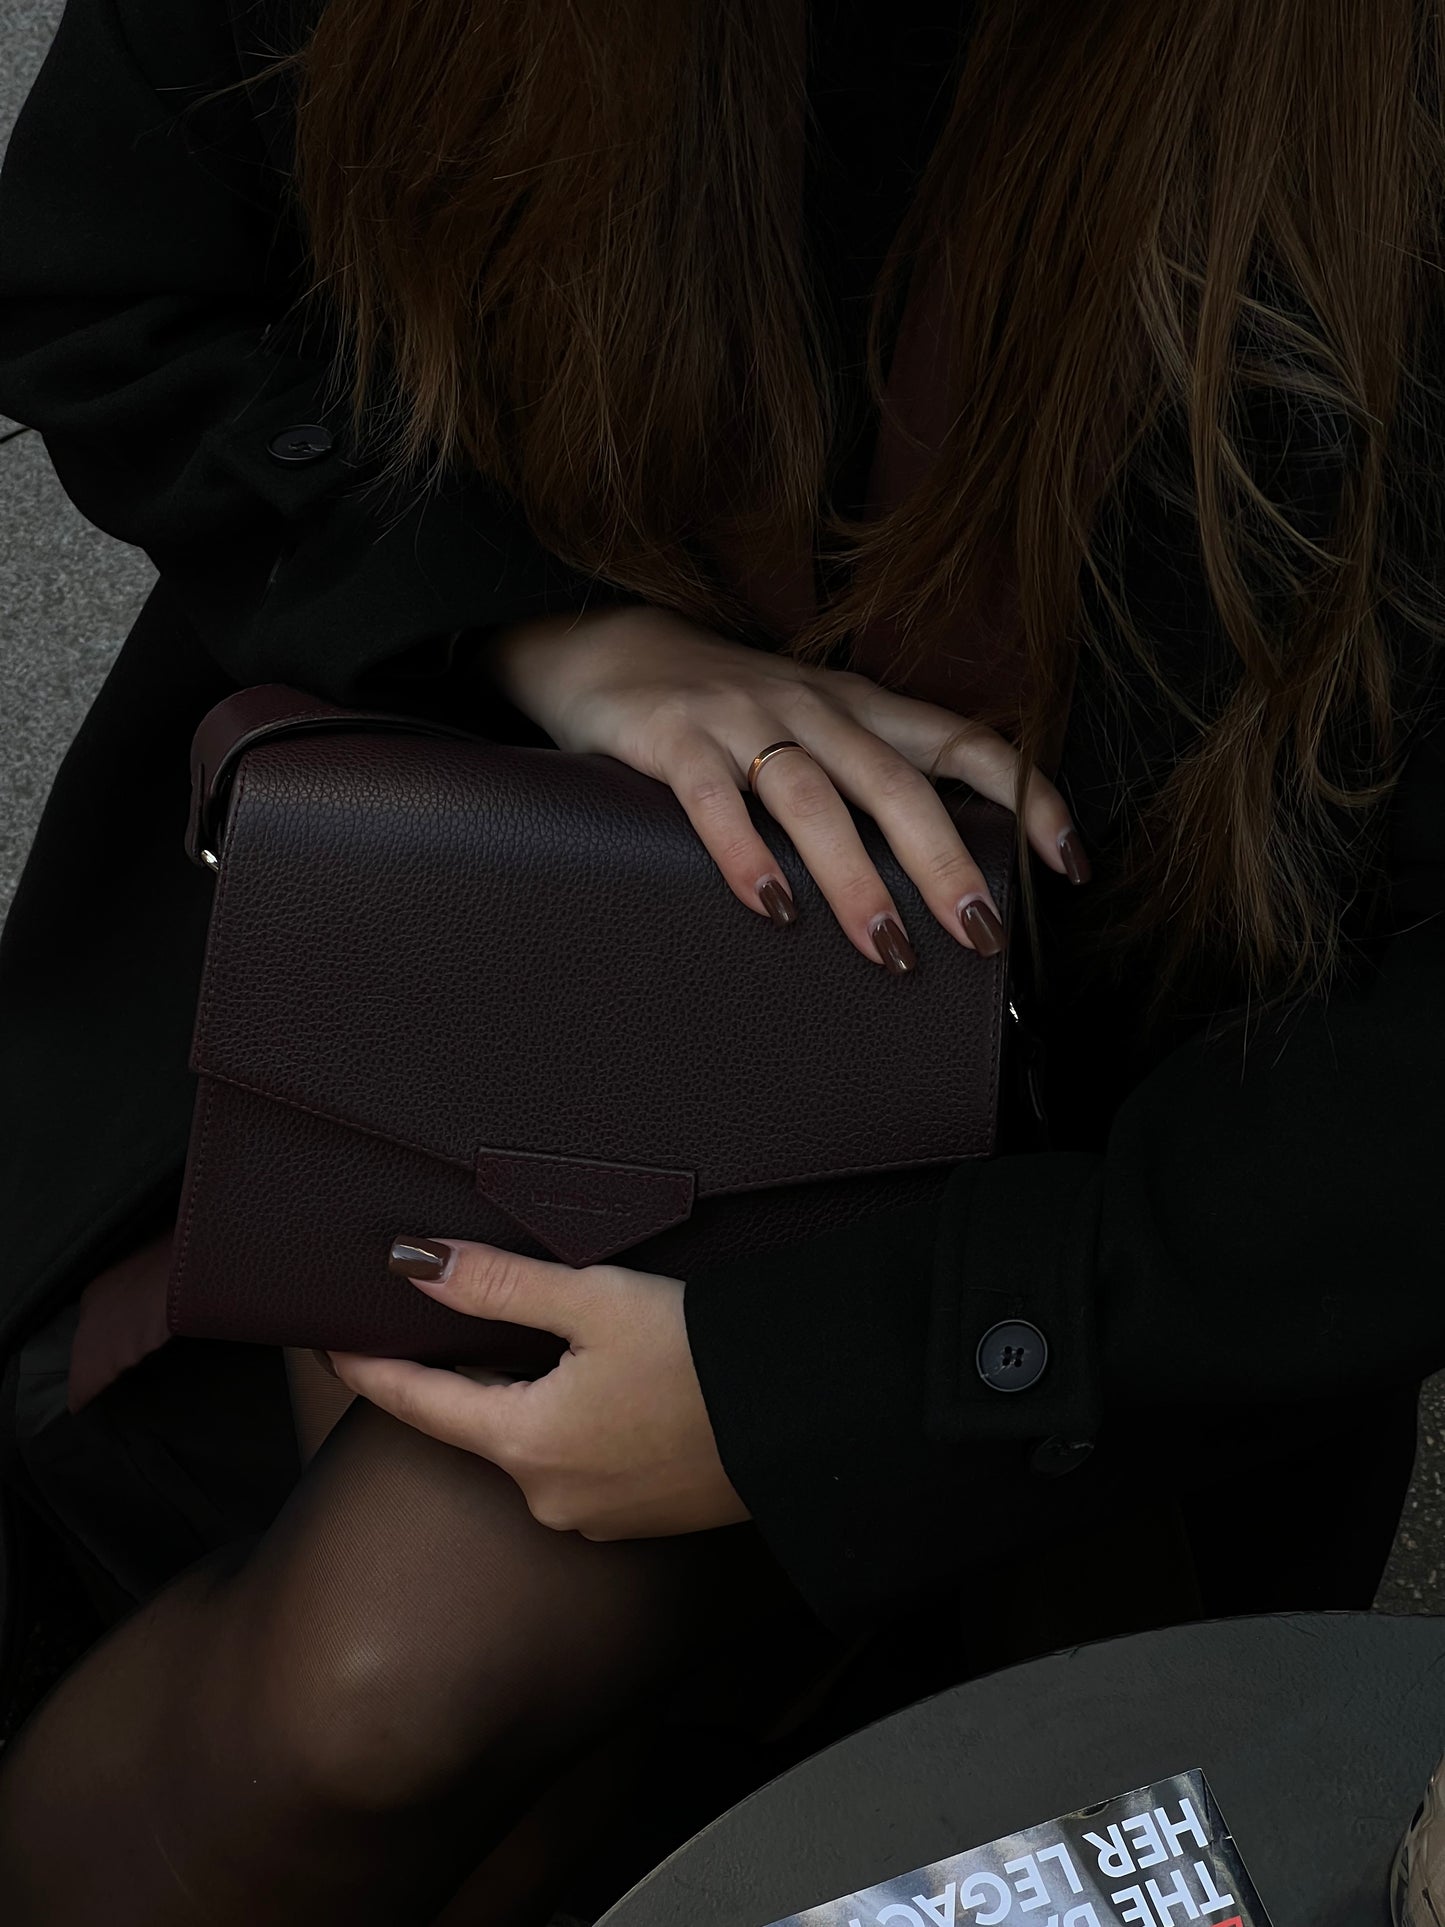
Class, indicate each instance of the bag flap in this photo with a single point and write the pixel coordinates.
(524, 961)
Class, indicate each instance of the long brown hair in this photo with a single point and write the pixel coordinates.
(571, 232)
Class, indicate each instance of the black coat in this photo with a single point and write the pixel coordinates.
(1210, 1238)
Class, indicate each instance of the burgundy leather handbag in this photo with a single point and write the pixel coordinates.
(460, 988)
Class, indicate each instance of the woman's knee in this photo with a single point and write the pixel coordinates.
(366, 1706)
(375, 1704)
(356, 1717)
(407, 1621)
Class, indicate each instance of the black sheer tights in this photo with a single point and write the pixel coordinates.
(341, 1721)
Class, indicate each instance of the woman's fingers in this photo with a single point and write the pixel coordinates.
(706, 783)
(702, 778)
(869, 747)
(807, 796)
(802, 795)
(983, 759)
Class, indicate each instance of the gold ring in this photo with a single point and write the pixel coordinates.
(762, 757)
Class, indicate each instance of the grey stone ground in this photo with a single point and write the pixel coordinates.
(68, 594)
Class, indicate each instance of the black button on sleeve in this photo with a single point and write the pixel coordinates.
(1016, 1246)
(1012, 1356)
(306, 443)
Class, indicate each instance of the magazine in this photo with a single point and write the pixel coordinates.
(1160, 1856)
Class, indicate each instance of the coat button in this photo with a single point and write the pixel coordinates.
(1012, 1356)
(304, 444)
(1053, 1457)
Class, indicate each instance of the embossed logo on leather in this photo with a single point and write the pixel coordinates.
(583, 1209)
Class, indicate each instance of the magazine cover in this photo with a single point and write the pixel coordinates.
(1157, 1857)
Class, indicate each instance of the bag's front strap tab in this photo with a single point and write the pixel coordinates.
(584, 1209)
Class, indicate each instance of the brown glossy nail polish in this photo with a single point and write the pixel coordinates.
(419, 1258)
(893, 947)
(778, 904)
(983, 927)
(1077, 866)
(325, 1363)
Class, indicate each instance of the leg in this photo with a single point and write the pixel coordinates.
(520, 1880)
(317, 1401)
(342, 1724)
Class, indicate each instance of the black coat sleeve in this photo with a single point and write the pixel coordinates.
(1261, 1229)
(149, 262)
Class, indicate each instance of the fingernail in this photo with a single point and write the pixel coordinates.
(892, 946)
(420, 1257)
(778, 904)
(325, 1363)
(1076, 864)
(982, 926)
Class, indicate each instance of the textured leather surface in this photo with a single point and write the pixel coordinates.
(454, 987)
(230, 727)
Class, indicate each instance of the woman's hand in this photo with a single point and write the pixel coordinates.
(615, 1441)
(690, 707)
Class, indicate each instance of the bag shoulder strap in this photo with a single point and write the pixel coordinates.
(251, 715)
